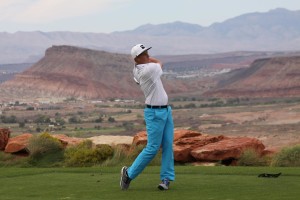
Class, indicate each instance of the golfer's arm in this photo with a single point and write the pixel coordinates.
(154, 60)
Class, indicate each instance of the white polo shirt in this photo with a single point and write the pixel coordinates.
(148, 76)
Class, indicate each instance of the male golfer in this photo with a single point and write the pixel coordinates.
(158, 117)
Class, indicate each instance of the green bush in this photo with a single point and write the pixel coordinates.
(45, 150)
(287, 157)
(251, 158)
(84, 154)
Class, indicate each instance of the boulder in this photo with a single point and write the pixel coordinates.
(227, 149)
(4, 136)
(181, 133)
(140, 138)
(184, 146)
(192, 146)
(66, 140)
(18, 143)
(269, 151)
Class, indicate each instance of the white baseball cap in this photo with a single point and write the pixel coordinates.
(138, 49)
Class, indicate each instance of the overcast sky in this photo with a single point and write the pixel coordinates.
(105, 16)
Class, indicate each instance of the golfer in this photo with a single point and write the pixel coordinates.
(158, 116)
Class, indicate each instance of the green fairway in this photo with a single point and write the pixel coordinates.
(212, 183)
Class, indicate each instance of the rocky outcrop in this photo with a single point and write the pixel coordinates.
(227, 149)
(67, 71)
(191, 146)
(269, 77)
(66, 140)
(4, 136)
(140, 138)
(181, 134)
(18, 143)
(184, 146)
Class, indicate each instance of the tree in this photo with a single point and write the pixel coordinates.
(30, 108)
(111, 119)
(99, 120)
(10, 119)
(42, 119)
(21, 124)
(74, 120)
(128, 126)
(60, 121)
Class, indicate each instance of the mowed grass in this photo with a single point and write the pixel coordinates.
(212, 183)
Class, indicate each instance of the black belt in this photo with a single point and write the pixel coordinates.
(156, 107)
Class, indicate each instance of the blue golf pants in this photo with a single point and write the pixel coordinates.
(160, 133)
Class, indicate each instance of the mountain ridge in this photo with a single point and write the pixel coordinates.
(248, 32)
(268, 77)
(68, 71)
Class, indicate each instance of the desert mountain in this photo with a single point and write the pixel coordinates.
(269, 77)
(67, 71)
(276, 30)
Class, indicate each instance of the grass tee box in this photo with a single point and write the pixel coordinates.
(216, 183)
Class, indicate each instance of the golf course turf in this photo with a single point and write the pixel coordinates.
(223, 183)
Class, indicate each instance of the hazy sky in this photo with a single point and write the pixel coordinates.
(106, 16)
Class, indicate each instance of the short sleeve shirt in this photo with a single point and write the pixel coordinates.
(148, 75)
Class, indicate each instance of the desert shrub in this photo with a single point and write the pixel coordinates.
(45, 150)
(84, 154)
(118, 158)
(129, 126)
(251, 158)
(136, 150)
(190, 105)
(5, 156)
(287, 157)
(21, 124)
(8, 160)
(122, 156)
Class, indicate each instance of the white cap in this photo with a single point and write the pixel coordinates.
(138, 49)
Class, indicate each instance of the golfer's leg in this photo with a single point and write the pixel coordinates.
(167, 166)
(154, 137)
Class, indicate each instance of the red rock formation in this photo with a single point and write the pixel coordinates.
(184, 146)
(140, 138)
(229, 148)
(269, 77)
(65, 140)
(190, 146)
(178, 134)
(72, 71)
(4, 136)
(18, 143)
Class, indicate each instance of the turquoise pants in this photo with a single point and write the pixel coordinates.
(160, 133)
